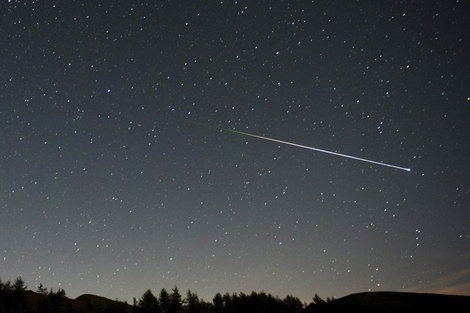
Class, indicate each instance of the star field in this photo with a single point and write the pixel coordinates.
(116, 175)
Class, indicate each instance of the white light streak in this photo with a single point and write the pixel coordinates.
(319, 150)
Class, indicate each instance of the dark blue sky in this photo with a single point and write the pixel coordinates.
(115, 175)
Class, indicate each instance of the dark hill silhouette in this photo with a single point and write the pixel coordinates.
(387, 301)
(94, 303)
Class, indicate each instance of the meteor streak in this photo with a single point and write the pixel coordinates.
(316, 149)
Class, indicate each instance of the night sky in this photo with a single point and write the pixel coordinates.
(118, 172)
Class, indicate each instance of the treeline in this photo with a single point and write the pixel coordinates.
(12, 296)
(15, 298)
(227, 303)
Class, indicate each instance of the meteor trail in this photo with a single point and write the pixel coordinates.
(316, 149)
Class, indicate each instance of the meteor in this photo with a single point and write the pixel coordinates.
(316, 149)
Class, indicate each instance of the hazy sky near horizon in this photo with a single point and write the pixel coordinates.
(117, 173)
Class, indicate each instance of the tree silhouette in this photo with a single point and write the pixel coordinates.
(149, 303)
(19, 284)
(218, 302)
(193, 304)
(12, 296)
(57, 300)
(41, 290)
(228, 303)
(176, 302)
(293, 304)
(164, 299)
(317, 300)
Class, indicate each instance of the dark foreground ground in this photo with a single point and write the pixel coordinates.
(28, 301)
